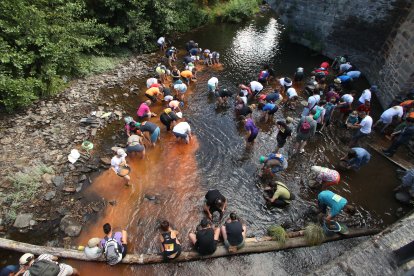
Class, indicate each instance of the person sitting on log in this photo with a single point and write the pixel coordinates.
(336, 204)
(206, 238)
(92, 251)
(45, 264)
(215, 202)
(234, 233)
(281, 195)
(170, 245)
(114, 245)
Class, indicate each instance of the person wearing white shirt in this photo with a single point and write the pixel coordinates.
(161, 43)
(388, 115)
(366, 95)
(292, 98)
(256, 87)
(182, 130)
(345, 105)
(151, 81)
(364, 128)
(312, 102)
(212, 84)
(117, 162)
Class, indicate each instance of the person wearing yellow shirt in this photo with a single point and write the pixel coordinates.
(154, 93)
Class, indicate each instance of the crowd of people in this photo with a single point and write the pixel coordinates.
(329, 104)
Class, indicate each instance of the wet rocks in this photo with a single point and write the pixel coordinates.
(23, 221)
(50, 195)
(58, 181)
(70, 226)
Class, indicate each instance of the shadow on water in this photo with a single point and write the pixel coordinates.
(179, 175)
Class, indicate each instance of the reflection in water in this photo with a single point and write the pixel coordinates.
(179, 175)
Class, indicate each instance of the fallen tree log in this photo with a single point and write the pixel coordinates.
(252, 245)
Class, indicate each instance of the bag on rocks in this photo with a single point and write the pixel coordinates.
(44, 268)
(112, 251)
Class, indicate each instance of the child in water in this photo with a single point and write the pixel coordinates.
(352, 119)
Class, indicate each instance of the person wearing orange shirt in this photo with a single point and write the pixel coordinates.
(187, 75)
(153, 93)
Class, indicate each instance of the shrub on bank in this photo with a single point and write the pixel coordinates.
(234, 11)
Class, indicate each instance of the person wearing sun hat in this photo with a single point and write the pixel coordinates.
(92, 251)
(118, 162)
(45, 262)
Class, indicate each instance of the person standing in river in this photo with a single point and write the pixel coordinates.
(306, 129)
(144, 111)
(170, 245)
(182, 130)
(118, 162)
(364, 128)
(150, 131)
(252, 130)
(284, 132)
(403, 137)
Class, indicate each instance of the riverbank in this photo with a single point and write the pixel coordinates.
(39, 140)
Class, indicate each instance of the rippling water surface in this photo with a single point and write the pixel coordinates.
(180, 175)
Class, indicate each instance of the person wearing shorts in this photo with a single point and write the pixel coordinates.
(206, 238)
(169, 117)
(180, 89)
(151, 130)
(388, 116)
(144, 111)
(154, 93)
(134, 144)
(234, 233)
(28, 259)
(182, 130)
(282, 135)
(345, 105)
(222, 97)
(268, 110)
(187, 75)
(117, 162)
(251, 129)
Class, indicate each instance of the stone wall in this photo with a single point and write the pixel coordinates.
(377, 35)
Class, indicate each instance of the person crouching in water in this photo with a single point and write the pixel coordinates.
(182, 130)
(336, 204)
(251, 128)
(222, 95)
(118, 162)
(273, 164)
(325, 177)
(170, 245)
(281, 196)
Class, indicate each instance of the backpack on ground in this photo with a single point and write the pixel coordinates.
(305, 126)
(112, 251)
(44, 268)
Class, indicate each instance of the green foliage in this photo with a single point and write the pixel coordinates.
(314, 234)
(235, 11)
(278, 233)
(25, 186)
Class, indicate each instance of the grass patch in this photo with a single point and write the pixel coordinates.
(233, 11)
(24, 187)
(278, 233)
(90, 65)
(314, 234)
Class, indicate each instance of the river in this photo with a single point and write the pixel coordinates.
(179, 175)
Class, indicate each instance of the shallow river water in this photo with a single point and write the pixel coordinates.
(179, 175)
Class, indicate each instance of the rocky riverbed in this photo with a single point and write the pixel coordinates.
(35, 144)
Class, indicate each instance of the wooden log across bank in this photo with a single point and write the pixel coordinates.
(252, 245)
(402, 163)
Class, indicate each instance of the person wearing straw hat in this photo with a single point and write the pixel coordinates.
(92, 251)
(118, 163)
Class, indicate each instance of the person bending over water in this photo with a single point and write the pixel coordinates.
(118, 162)
(273, 164)
(356, 158)
(281, 196)
(251, 128)
(336, 204)
(215, 202)
(325, 177)
(182, 131)
(170, 245)
(206, 238)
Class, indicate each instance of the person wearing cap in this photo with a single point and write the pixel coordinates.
(135, 144)
(284, 132)
(325, 176)
(119, 161)
(252, 130)
(312, 102)
(273, 163)
(256, 87)
(130, 126)
(154, 93)
(206, 238)
(234, 233)
(286, 83)
(28, 260)
(92, 251)
(366, 95)
(144, 111)
(169, 117)
(212, 85)
(281, 196)
(180, 89)
(171, 55)
(182, 131)
(215, 202)
(150, 131)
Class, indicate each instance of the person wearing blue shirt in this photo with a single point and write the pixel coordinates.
(344, 79)
(268, 109)
(336, 204)
(356, 158)
(354, 74)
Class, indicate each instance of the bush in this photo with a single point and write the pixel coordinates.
(235, 11)
(24, 186)
(278, 233)
(314, 234)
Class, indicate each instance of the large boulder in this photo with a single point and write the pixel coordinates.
(70, 226)
(23, 221)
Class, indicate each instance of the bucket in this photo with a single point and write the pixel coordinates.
(86, 145)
